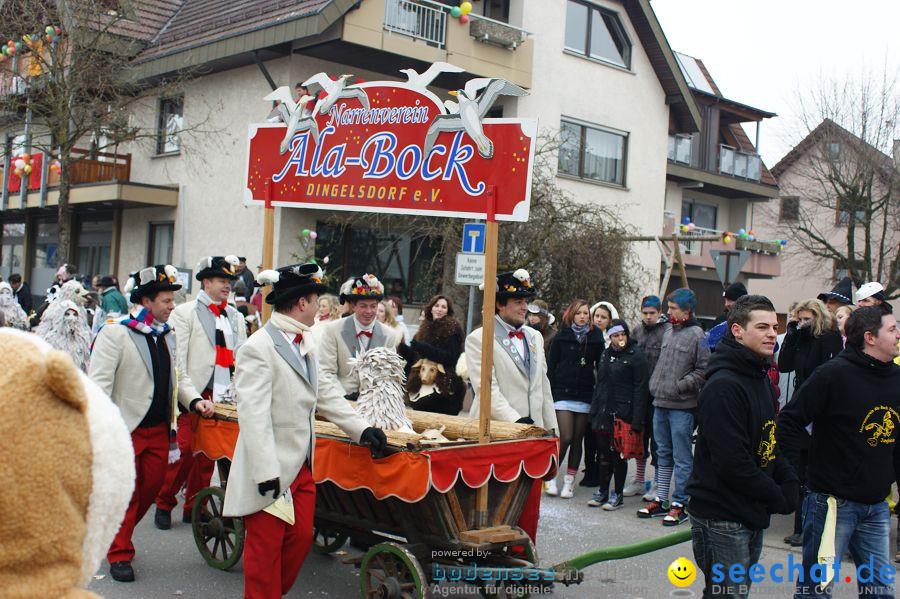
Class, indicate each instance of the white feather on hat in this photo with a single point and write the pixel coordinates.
(268, 277)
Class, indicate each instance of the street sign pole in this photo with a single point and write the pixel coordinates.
(268, 247)
(487, 346)
(470, 314)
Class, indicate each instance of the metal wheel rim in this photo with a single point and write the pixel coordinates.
(219, 539)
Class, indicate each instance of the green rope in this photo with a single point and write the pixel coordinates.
(596, 556)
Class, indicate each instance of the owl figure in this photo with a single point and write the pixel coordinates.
(382, 386)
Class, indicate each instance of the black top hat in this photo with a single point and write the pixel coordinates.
(107, 281)
(366, 286)
(152, 279)
(515, 284)
(291, 282)
(217, 266)
(842, 292)
(735, 291)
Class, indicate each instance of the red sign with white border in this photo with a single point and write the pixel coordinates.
(373, 160)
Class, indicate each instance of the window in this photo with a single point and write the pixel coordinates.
(840, 268)
(497, 10)
(702, 215)
(409, 267)
(161, 237)
(592, 153)
(834, 150)
(12, 248)
(790, 209)
(94, 241)
(844, 208)
(596, 33)
(168, 138)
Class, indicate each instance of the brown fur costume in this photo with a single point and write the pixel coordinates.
(437, 344)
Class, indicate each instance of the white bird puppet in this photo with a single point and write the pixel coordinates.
(422, 80)
(473, 106)
(294, 114)
(12, 313)
(334, 91)
(382, 386)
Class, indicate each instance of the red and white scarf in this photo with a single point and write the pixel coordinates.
(224, 367)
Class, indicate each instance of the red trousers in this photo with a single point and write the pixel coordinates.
(151, 452)
(273, 549)
(528, 520)
(196, 470)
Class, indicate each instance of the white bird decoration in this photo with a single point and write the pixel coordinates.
(334, 90)
(473, 106)
(422, 80)
(382, 386)
(295, 115)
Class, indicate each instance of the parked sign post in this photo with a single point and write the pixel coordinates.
(396, 148)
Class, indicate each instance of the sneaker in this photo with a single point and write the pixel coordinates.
(568, 487)
(615, 502)
(676, 515)
(635, 487)
(551, 488)
(654, 509)
(650, 495)
(598, 499)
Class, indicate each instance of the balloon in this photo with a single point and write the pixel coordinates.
(49, 29)
(751, 237)
(691, 226)
(305, 232)
(325, 260)
(18, 171)
(57, 30)
(463, 19)
(19, 163)
(684, 229)
(685, 220)
(313, 234)
(750, 232)
(11, 50)
(18, 45)
(465, 8)
(26, 157)
(27, 169)
(742, 231)
(728, 239)
(455, 12)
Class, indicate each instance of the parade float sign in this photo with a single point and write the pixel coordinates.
(394, 147)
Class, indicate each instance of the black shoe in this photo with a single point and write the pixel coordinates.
(186, 518)
(122, 571)
(163, 521)
(795, 540)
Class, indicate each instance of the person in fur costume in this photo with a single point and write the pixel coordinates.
(59, 515)
(433, 384)
(11, 313)
(64, 326)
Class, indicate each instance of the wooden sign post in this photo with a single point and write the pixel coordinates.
(268, 248)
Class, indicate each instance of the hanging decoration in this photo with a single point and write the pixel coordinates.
(461, 12)
(22, 165)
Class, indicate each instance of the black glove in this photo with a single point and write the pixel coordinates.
(352, 396)
(270, 485)
(375, 440)
(525, 420)
(791, 491)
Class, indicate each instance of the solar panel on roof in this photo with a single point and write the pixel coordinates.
(693, 74)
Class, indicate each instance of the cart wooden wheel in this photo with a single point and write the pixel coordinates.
(388, 571)
(327, 541)
(219, 539)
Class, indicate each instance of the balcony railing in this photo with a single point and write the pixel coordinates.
(680, 148)
(95, 167)
(695, 247)
(418, 20)
(742, 165)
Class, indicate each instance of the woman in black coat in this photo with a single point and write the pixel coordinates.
(570, 367)
(811, 340)
(622, 392)
(436, 348)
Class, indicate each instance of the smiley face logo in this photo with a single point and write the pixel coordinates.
(682, 572)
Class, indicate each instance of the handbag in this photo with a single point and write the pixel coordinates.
(626, 441)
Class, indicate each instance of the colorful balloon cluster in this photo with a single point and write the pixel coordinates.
(51, 35)
(686, 225)
(306, 233)
(56, 167)
(22, 165)
(461, 12)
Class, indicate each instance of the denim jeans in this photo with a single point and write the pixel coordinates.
(862, 528)
(672, 430)
(727, 543)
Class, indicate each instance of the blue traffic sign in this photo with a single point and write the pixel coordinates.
(473, 238)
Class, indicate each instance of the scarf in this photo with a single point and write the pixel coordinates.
(141, 320)
(580, 331)
(289, 325)
(223, 371)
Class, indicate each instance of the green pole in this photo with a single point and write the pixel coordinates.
(596, 556)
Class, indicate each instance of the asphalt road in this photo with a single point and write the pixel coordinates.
(169, 565)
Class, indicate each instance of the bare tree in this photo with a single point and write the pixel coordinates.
(74, 86)
(846, 179)
(570, 249)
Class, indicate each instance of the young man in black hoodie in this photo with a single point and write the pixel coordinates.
(738, 478)
(853, 404)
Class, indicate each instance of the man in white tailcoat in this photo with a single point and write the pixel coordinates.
(349, 337)
(209, 331)
(278, 389)
(134, 361)
(520, 390)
